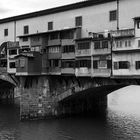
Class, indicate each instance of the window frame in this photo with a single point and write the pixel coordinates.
(112, 15)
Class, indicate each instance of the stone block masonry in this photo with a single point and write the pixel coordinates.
(36, 101)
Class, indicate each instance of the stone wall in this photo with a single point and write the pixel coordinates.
(36, 101)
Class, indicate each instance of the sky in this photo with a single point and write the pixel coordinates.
(10, 8)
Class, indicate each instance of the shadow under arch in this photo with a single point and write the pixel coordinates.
(3, 46)
(95, 92)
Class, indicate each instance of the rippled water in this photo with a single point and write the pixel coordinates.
(121, 121)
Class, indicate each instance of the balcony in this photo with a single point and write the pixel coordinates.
(67, 42)
(101, 73)
(54, 70)
(83, 72)
(70, 71)
(123, 33)
(70, 55)
(54, 42)
(85, 52)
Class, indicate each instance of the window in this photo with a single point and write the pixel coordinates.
(12, 65)
(54, 36)
(138, 24)
(109, 64)
(35, 49)
(116, 65)
(67, 35)
(126, 44)
(5, 32)
(26, 29)
(129, 43)
(124, 65)
(78, 21)
(97, 45)
(68, 48)
(102, 64)
(84, 63)
(105, 44)
(50, 25)
(25, 39)
(137, 64)
(22, 62)
(55, 49)
(95, 64)
(113, 15)
(13, 52)
(68, 64)
(138, 43)
(54, 63)
(83, 45)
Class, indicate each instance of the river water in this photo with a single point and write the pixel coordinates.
(121, 121)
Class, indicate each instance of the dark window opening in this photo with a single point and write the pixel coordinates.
(68, 49)
(113, 15)
(26, 29)
(78, 21)
(83, 63)
(25, 39)
(137, 63)
(13, 52)
(68, 64)
(83, 45)
(97, 45)
(50, 25)
(12, 65)
(67, 35)
(5, 32)
(54, 36)
(105, 44)
(124, 65)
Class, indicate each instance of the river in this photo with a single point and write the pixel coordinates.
(120, 121)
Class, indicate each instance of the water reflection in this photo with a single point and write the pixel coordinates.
(121, 121)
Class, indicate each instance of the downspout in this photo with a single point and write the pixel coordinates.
(15, 31)
(118, 14)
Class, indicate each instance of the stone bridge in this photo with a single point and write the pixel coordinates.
(47, 96)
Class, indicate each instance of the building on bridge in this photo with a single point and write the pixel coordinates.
(89, 39)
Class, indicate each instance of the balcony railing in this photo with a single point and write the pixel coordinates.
(123, 33)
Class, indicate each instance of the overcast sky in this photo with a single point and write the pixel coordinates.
(10, 8)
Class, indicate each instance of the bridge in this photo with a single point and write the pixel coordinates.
(7, 81)
(44, 96)
(50, 96)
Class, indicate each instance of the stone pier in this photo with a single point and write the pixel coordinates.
(36, 101)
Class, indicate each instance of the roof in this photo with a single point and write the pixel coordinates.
(55, 10)
(48, 32)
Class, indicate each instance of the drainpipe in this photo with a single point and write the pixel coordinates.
(14, 31)
(117, 14)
